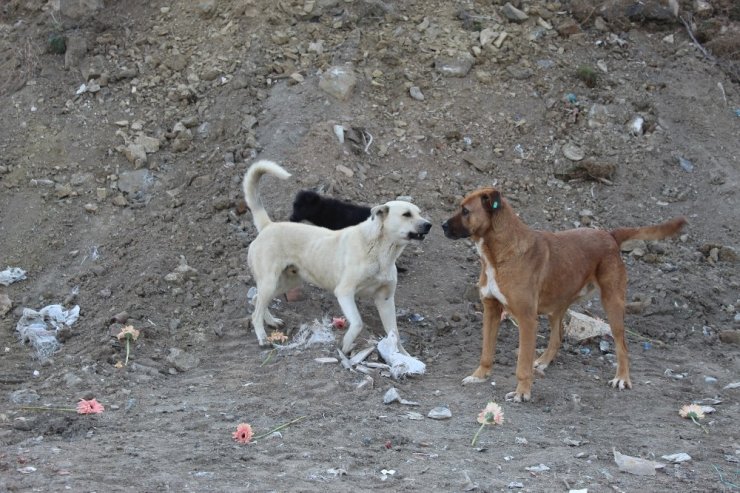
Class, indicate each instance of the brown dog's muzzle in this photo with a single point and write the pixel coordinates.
(454, 229)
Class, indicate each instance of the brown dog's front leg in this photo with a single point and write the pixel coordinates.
(524, 364)
(492, 310)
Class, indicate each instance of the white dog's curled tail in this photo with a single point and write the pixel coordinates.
(251, 193)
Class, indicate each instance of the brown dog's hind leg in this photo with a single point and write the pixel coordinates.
(613, 285)
(556, 339)
(492, 310)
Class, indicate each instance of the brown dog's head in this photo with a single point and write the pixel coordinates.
(476, 213)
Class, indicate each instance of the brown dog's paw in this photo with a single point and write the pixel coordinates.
(621, 384)
(517, 396)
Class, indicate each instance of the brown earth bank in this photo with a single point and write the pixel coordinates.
(126, 128)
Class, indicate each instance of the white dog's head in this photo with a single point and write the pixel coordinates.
(400, 221)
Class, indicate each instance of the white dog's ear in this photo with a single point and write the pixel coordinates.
(379, 211)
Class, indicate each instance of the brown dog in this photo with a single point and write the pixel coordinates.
(528, 273)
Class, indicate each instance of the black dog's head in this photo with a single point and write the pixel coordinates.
(305, 206)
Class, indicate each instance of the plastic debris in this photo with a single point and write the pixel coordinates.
(392, 395)
(537, 468)
(687, 165)
(315, 333)
(733, 385)
(581, 327)
(361, 355)
(515, 484)
(636, 465)
(677, 458)
(39, 328)
(646, 346)
(326, 360)
(339, 132)
(401, 364)
(676, 376)
(11, 275)
(636, 125)
(386, 473)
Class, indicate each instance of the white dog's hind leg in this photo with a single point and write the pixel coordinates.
(261, 314)
(349, 308)
(386, 306)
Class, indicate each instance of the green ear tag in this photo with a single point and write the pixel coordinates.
(495, 205)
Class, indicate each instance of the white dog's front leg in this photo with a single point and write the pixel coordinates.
(349, 308)
(386, 304)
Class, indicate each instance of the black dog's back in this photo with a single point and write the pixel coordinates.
(327, 212)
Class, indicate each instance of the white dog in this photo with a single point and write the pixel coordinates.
(358, 260)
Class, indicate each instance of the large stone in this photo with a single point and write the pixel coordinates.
(181, 360)
(138, 180)
(454, 67)
(77, 9)
(76, 51)
(134, 153)
(514, 14)
(338, 81)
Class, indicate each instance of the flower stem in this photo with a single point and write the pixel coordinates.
(128, 342)
(268, 358)
(42, 408)
(475, 437)
(699, 424)
(278, 428)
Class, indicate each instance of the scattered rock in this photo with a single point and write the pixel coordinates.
(5, 304)
(454, 67)
(440, 413)
(338, 81)
(730, 336)
(24, 396)
(138, 180)
(416, 93)
(573, 152)
(514, 14)
(181, 360)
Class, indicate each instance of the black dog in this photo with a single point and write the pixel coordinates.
(326, 212)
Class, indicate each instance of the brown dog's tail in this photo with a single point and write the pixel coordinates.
(657, 232)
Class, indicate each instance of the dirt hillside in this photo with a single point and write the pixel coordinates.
(126, 128)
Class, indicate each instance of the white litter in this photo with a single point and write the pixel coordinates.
(677, 458)
(11, 275)
(581, 327)
(401, 364)
(392, 395)
(537, 468)
(733, 385)
(39, 328)
(636, 465)
(315, 333)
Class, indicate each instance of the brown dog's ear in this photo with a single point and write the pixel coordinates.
(379, 211)
(491, 201)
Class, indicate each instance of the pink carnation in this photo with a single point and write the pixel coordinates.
(492, 414)
(243, 433)
(89, 407)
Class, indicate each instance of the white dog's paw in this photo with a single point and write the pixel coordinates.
(472, 379)
(273, 321)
